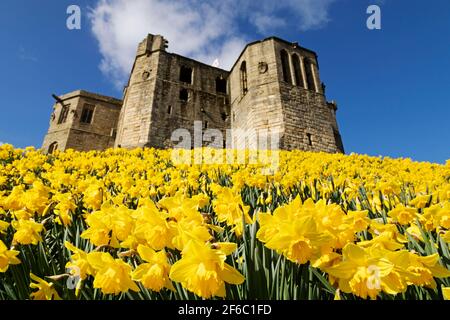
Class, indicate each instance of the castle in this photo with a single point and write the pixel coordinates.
(274, 85)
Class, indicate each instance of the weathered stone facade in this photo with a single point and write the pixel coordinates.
(166, 92)
(273, 86)
(283, 96)
(82, 121)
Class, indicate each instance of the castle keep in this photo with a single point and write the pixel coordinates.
(274, 85)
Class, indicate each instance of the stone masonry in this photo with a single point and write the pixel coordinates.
(82, 121)
(274, 86)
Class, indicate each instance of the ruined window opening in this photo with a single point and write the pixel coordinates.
(221, 85)
(184, 95)
(285, 66)
(53, 147)
(297, 70)
(309, 136)
(63, 115)
(87, 113)
(169, 110)
(309, 75)
(244, 88)
(205, 124)
(186, 74)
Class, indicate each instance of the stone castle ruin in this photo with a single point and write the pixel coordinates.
(273, 86)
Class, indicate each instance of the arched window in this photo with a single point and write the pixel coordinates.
(244, 87)
(53, 147)
(285, 66)
(309, 75)
(297, 70)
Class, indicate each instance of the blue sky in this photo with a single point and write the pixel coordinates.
(392, 85)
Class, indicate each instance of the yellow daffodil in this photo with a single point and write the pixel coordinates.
(7, 257)
(446, 293)
(64, 208)
(154, 273)
(3, 226)
(231, 210)
(78, 264)
(112, 276)
(27, 232)
(202, 269)
(45, 290)
(403, 215)
(363, 274)
(374, 226)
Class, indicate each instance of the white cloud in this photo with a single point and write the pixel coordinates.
(312, 13)
(265, 22)
(203, 30)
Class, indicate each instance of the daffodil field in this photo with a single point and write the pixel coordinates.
(132, 224)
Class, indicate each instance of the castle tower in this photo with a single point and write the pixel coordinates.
(275, 85)
(273, 88)
(166, 92)
(82, 121)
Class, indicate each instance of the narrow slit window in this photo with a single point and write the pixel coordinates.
(309, 136)
(169, 110)
(309, 75)
(297, 70)
(285, 66)
(244, 87)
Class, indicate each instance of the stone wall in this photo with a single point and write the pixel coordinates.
(58, 133)
(260, 107)
(280, 91)
(99, 134)
(153, 109)
(135, 116)
(203, 103)
(309, 121)
(292, 105)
